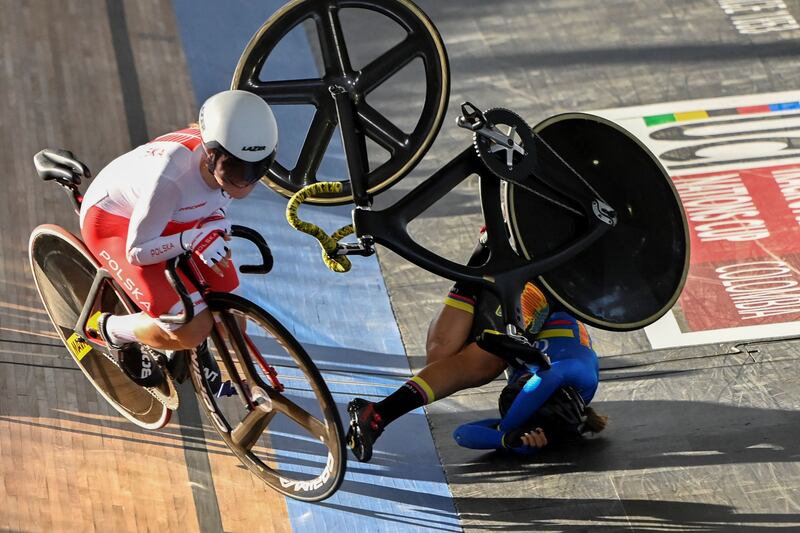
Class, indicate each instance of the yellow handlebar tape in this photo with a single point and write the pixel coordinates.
(328, 242)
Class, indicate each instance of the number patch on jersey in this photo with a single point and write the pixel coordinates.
(77, 346)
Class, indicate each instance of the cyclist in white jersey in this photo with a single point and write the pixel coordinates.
(168, 197)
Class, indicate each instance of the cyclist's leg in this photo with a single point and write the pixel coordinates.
(449, 331)
(105, 235)
(461, 366)
(455, 362)
(169, 337)
(434, 382)
(450, 336)
(164, 336)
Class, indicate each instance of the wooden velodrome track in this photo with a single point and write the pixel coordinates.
(67, 83)
(69, 463)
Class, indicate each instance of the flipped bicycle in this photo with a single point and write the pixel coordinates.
(576, 202)
(260, 390)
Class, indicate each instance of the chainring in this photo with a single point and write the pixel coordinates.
(514, 161)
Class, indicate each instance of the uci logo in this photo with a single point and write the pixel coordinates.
(254, 148)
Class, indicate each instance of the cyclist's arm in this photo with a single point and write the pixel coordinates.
(485, 435)
(479, 435)
(154, 209)
(536, 391)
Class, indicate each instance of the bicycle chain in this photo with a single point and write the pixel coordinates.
(586, 183)
(480, 151)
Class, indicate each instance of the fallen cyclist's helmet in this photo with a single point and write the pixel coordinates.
(241, 130)
(562, 417)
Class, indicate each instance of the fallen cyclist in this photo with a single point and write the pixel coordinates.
(455, 362)
(532, 416)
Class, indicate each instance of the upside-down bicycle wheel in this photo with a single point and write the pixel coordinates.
(422, 41)
(282, 421)
(634, 273)
(63, 270)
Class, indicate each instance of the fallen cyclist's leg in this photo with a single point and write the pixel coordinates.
(454, 362)
(447, 337)
(472, 367)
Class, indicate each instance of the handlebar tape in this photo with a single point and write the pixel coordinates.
(327, 242)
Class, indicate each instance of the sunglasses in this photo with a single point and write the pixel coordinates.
(237, 172)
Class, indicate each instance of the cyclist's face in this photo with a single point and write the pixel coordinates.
(235, 191)
(234, 176)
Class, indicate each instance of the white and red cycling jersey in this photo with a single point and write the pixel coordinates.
(134, 211)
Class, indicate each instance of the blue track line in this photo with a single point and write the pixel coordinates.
(346, 321)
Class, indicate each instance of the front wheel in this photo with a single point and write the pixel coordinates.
(279, 417)
(388, 142)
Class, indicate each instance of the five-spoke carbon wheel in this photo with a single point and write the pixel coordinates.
(405, 149)
(279, 417)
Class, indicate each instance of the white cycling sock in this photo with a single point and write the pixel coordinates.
(120, 328)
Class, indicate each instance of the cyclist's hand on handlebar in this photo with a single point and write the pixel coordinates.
(209, 243)
(216, 220)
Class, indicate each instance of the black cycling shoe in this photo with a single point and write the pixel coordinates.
(365, 428)
(140, 364)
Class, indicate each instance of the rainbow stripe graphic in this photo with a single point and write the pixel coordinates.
(654, 120)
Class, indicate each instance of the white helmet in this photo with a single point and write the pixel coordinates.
(240, 126)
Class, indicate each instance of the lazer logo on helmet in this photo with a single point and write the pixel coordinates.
(254, 148)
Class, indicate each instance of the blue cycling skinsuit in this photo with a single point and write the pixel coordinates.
(574, 363)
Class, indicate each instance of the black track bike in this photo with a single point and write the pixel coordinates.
(576, 202)
(257, 385)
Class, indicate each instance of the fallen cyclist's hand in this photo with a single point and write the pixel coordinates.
(534, 438)
(209, 244)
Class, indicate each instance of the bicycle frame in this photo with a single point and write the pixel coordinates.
(104, 277)
(505, 273)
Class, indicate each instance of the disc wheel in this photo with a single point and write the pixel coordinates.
(283, 426)
(422, 41)
(634, 273)
(63, 271)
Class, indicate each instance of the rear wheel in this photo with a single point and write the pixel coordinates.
(282, 421)
(634, 273)
(63, 271)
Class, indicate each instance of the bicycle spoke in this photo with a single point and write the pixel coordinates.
(287, 92)
(311, 423)
(317, 140)
(250, 429)
(387, 64)
(382, 130)
(332, 43)
(239, 347)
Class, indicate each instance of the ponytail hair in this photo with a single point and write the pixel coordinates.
(595, 422)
